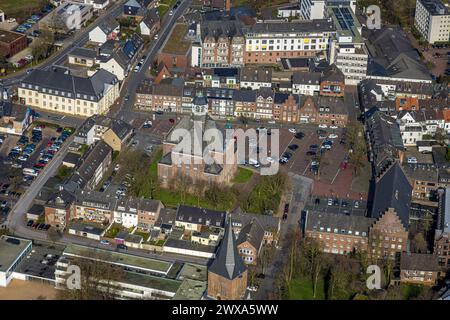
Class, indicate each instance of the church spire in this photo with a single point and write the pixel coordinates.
(228, 263)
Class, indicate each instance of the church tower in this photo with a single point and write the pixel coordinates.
(227, 275)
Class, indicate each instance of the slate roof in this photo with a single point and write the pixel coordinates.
(68, 85)
(333, 74)
(269, 223)
(344, 223)
(256, 74)
(92, 160)
(83, 53)
(392, 55)
(108, 25)
(228, 263)
(244, 95)
(253, 232)
(393, 190)
(281, 97)
(309, 78)
(201, 216)
(419, 262)
(60, 199)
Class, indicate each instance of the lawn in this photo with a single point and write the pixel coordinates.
(410, 291)
(243, 175)
(164, 6)
(144, 235)
(172, 199)
(113, 231)
(301, 289)
(12, 7)
(154, 166)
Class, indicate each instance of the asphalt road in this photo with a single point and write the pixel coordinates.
(129, 87)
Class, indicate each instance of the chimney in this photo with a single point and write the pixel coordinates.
(228, 5)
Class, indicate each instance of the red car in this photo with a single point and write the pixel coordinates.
(171, 120)
(40, 165)
(49, 143)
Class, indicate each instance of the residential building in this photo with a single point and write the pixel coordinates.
(385, 140)
(306, 83)
(58, 90)
(332, 82)
(151, 23)
(338, 233)
(270, 224)
(227, 275)
(196, 219)
(222, 44)
(289, 11)
(286, 107)
(92, 167)
(136, 8)
(67, 17)
(416, 268)
(11, 43)
(83, 57)
(221, 78)
(14, 118)
(176, 52)
(220, 102)
(268, 42)
(432, 20)
(255, 78)
(94, 206)
(167, 97)
(114, 132)
(309, 113)
(250, 242)
(332, 111)
(107, 30)
(143, 99)
(424, 179)
(58, 209)
(244, 103)
(264, 103)
(98, 4)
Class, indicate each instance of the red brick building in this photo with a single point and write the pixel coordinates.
(418, 268)
(286, 107)
(227, 275)
(11, 43)
(333, 82)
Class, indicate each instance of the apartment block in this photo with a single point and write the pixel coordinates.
(432, 20)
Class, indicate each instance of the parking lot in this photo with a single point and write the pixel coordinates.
(31, 151)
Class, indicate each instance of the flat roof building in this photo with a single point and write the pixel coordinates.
(12, 252)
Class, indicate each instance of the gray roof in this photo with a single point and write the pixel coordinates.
(108, 25)
(256, 74)
(419, 262)
(244, 95)
(269, 223)
(343, 223)
(392, 55)
(281, 97)
(310, 78)
(306, 26)
(188, 245)
(69, 86)
(435, 7)
(392, 190)
(253, 232)
(92, 160)
(201, 216)
(88, 228)
(83, 53)
(60, 199)
(228, 263)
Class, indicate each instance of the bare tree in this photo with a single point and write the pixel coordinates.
(99, 280)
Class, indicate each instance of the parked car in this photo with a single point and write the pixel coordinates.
(122, 247)
(412, 160)
(105, 242)
(322, 126)
(292, 130)
(333, 136)
(293, 147)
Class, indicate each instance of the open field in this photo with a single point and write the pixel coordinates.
(27, 290)
(21, 8)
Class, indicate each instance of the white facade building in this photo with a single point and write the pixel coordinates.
(432, 20)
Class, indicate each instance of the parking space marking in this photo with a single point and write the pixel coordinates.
(335, 176)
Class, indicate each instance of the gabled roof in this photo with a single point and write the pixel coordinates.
(109, 25)
(419, 262)
(228, 263)
(393, 190)
(253, 232)
(201, 216)
(309, 78)
(151, 17)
